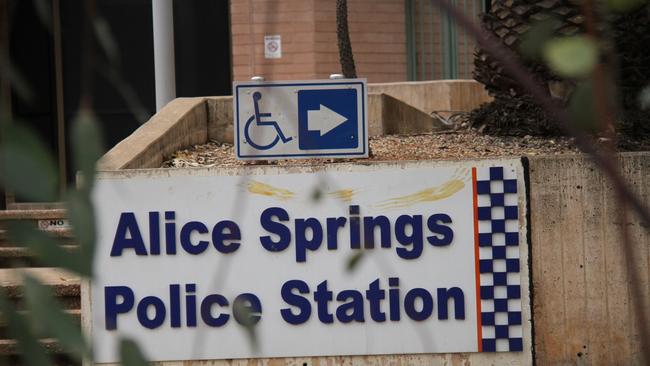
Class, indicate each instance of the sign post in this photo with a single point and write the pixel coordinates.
(301, 119)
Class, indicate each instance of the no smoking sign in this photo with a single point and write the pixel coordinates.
(272, 46)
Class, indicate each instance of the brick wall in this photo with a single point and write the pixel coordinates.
(308, 31)
(251, 20)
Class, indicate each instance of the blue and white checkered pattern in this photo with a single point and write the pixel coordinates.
(498, 240)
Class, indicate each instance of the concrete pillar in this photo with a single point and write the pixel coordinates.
(163, 51)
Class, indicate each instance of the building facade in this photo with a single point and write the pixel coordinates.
(392, 40)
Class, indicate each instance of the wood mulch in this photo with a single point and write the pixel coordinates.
(464, 144)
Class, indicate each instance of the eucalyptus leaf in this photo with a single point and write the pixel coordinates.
(249, 319)
(87, 146)
(27, 167)
(18, 83)
(82, 217)
(46, 311)
(126, 90)
(106, 40)
(532, 42)
(44, 12)
(644, 98)
(623, 6)
(582, 109)
(353, 261)
(573, 56)
(130, 354)
(47, 249)
(28, 346)
(317, 194)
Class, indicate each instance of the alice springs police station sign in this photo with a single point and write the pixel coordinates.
(187, 258)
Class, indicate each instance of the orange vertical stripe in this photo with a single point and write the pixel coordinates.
(479, 330)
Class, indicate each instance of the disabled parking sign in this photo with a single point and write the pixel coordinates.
(301, 119)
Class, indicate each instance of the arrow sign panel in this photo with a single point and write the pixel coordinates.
(302, 119)
(324, 120)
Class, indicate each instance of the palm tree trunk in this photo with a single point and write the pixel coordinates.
(343, 37)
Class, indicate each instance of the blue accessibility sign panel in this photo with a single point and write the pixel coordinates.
(327, 119)
(302, 119)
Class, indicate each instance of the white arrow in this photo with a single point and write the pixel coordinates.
(323, 120)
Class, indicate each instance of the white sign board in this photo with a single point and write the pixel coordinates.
(273, 46)
(301, 119)
(443, 264)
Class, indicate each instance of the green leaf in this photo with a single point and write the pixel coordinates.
(87, 146)
(532, 42)
(44, 12)
(28, 346)
(316, 194)
(243, 312)
(82, 217)
(644, 98)
(130, 97)
(46, 311)
(18, 84)
(582, 108)
(106, 40)
(130, 353)
(573, 56)
(47, 248)
(622, 6)
(27, 168)
(353, 261)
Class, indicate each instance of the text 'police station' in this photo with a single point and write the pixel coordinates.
(384, 298)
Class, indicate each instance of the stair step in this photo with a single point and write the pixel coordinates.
(8, 346)
(58, 213)
(64, 236)
(58, 233)
(65, 285)
(19, 257)
(50, 221)
(74, 313)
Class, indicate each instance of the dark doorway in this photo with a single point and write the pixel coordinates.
(31, 54)
(122, 84)
(50, 48)
(202, 48)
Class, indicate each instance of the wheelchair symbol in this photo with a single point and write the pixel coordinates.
(257, 118)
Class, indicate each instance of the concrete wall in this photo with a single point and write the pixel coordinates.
(390, 116)
(309, 45)
(437, 95)
(181, 123)
(583, 305)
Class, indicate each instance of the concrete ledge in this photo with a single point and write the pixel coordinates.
(436, 95)
(181, 123)
(388, 115)
(220, 119)
(401, 118)
(393, 108)
(32, 214)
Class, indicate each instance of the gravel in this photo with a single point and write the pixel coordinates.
(450, 145)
